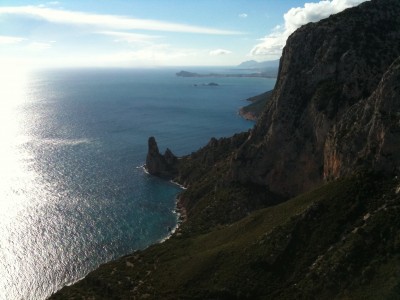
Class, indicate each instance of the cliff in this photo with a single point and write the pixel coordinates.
(368, 134)
(326, 68)
(331, 128)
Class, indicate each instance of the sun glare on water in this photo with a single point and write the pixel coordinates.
(13, 173)
(18, 180)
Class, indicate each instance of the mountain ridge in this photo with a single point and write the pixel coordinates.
(252, 64)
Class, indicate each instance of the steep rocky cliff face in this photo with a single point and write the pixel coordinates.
(368, 134)
(327, 69)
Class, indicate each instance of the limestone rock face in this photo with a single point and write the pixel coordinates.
(368, 134)
(327, 69)
(164, 166)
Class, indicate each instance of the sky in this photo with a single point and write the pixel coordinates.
(151, 33)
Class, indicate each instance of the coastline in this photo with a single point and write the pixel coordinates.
(176, 183)
(249, 116)
(179, 211)
(179, 215)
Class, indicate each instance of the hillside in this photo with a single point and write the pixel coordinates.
(334, 242)
(254, 110)
(303, 206)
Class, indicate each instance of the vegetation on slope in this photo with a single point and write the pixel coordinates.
(211, 198)
(257, 104)
(338, 241)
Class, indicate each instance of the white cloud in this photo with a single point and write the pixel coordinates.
(243, 15)
(159, 54)
(133, 38)
(217, 52)
(107, 21)
(272, 44)
(39, 46)
(10, 39)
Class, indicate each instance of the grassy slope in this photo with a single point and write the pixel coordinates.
(315, 246)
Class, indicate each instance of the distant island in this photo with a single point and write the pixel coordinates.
(218, 75)
(207, 84)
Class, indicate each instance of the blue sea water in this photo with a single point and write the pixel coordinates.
(72, 193)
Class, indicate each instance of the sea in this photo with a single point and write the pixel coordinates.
(73, 193)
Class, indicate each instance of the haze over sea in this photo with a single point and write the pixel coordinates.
(72, 193)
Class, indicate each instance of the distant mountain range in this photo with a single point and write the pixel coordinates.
(266, 69)
(252, 64)
(260, 73)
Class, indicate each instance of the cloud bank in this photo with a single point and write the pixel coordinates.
(272, 44)
(107, 21)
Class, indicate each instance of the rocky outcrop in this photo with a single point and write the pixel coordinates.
(164, 166)
(326, 68)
